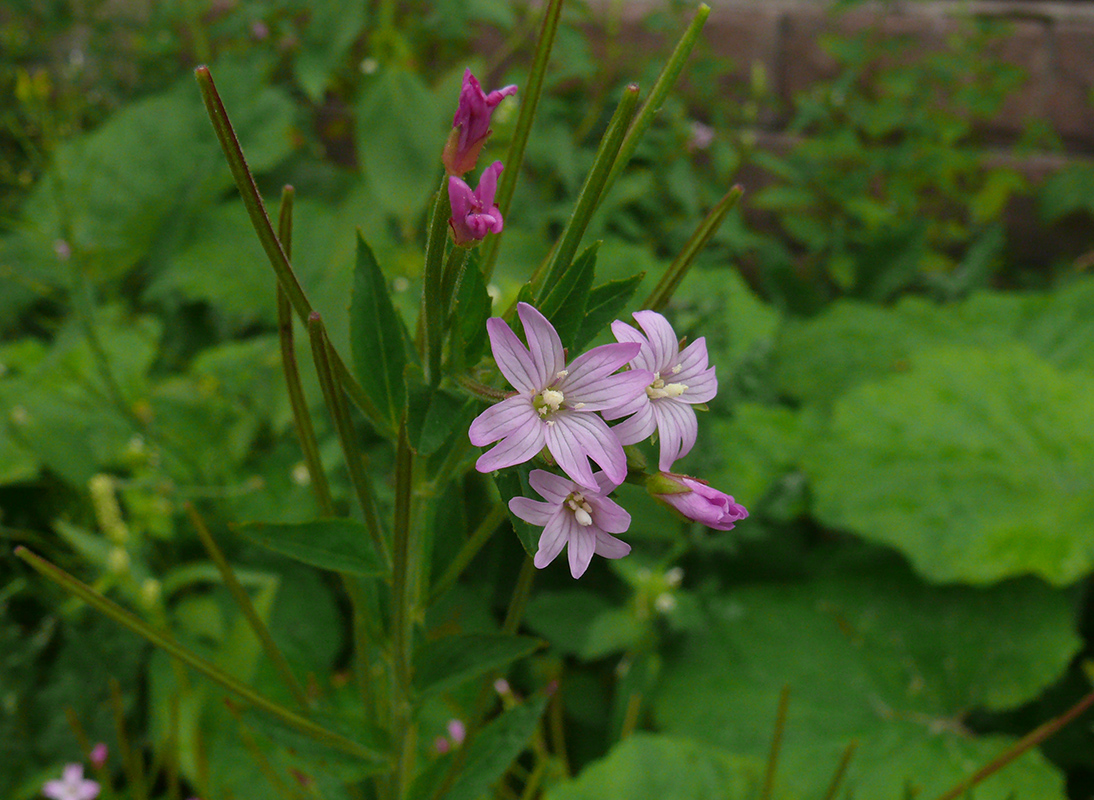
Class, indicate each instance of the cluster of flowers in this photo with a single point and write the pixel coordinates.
(566, 408)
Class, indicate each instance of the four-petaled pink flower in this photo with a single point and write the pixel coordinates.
(471, 125)
(573, 516)
(680, 379)
(72, 786)
(473, 212)
(696, 500)
(555, 404)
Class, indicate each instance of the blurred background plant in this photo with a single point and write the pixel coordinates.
(905, 406)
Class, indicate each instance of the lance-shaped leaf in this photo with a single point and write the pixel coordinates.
(433, 414)
(446, 663)
(377, 338)
(316, 754)
(339, 545)
(471, 309)
(513, 482)
(606, 302)
(565, 302)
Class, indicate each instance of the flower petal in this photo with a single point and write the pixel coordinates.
(664, 345)
(488, 184)
(632, 406)
(702, 387)
(521, 446)
(677, 428)
(546, 348)
(607, 546)
(588, 369)
(553, 539)
(639, 427)
(552, 488)
(577, 437)
(611, 391)
(628, 333)
(514, 360)
(609, 516)
(581, 549)
(692, 359)
(503, 419)
(532, 511)
(57, 790)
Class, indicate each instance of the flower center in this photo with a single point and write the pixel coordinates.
(547, 401)
(583, 512)
(659, 388)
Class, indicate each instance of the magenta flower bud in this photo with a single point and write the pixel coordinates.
(473, 212)
(97, 756)
(471, 125)
(441, 745)
(696, 500)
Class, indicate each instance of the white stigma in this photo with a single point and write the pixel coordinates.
(583, 512)
(548, 401)
(659, 388)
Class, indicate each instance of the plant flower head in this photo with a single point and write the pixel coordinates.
(473, 212)
(680, 380)
(555, 403)
(696, 500)
(573, 516)
(71, 786)
(471, 125)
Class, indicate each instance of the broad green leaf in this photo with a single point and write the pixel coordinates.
(400, 134)
(871, 654)
(446, 663)
(319, 756)
(472, 309)
(377, 338)
(433, 414)
(513, 482)
(648, 766)
(339, 545)
(564, 303)
(331, 30)
(579, 622)
(977, 464)
(606, 302)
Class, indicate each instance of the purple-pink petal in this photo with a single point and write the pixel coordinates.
(637, 427)
(581, 548)
(513, 358)
(692, 359)
(502, 419)
(531, 511)
(574, 438)
(702, 387)
(627, 333)
(664, 345)
(609, 516)
(551, 487)
(677, 429)
(590, 368)
(607, 546)
(552, 540)
(522, 445)
(610, 391)
(543, 343)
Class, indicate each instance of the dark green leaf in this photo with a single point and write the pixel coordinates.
(606, 303)
(513, 482)
(564, 303)
(340, 545)
(433, 414)
(377, 338)
(495, 748)
(471, 312)
(317, 754)
(446, 663)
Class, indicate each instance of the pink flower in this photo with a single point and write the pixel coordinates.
(473, 212)
(457, 731)
(574, 515)
(555, 404)
(696, 500)
(98, 755)
(680, 380)
(471, 125)
(72, 786)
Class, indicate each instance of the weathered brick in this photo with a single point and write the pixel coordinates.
(1069, 104)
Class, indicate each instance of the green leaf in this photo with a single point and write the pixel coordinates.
(400, 134)
(977, 464)
(446, 663)
(339, 545)
(433, 414)
(513, 482)
(377, 338)
(319, 756)
(564, 303)
(648, 766)
(579, 622)
(606, 302)
(873, 655)
(495, 748)
(472, 309)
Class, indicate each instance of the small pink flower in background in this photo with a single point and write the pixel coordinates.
(473, 212)
(471, 125)
(72, 785)
(696, 500)
(98, 755)
(573, 516)
(555, 403)
(680, 379)
(441, 745)
(457, 731)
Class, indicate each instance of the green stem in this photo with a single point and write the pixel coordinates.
(260, 220)
(454, 271)
(481, 390)
(469, 550)
(776, 745)
(841, 770)
(589, 197)
(347, 436)
(665, 81)
(1027, 742)
(514, 158)
(132, 761)
(676, 271)
(243, 600)
(214, 673)
(521, 594)
(432, 309)
(259, 757)
(402, 591)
